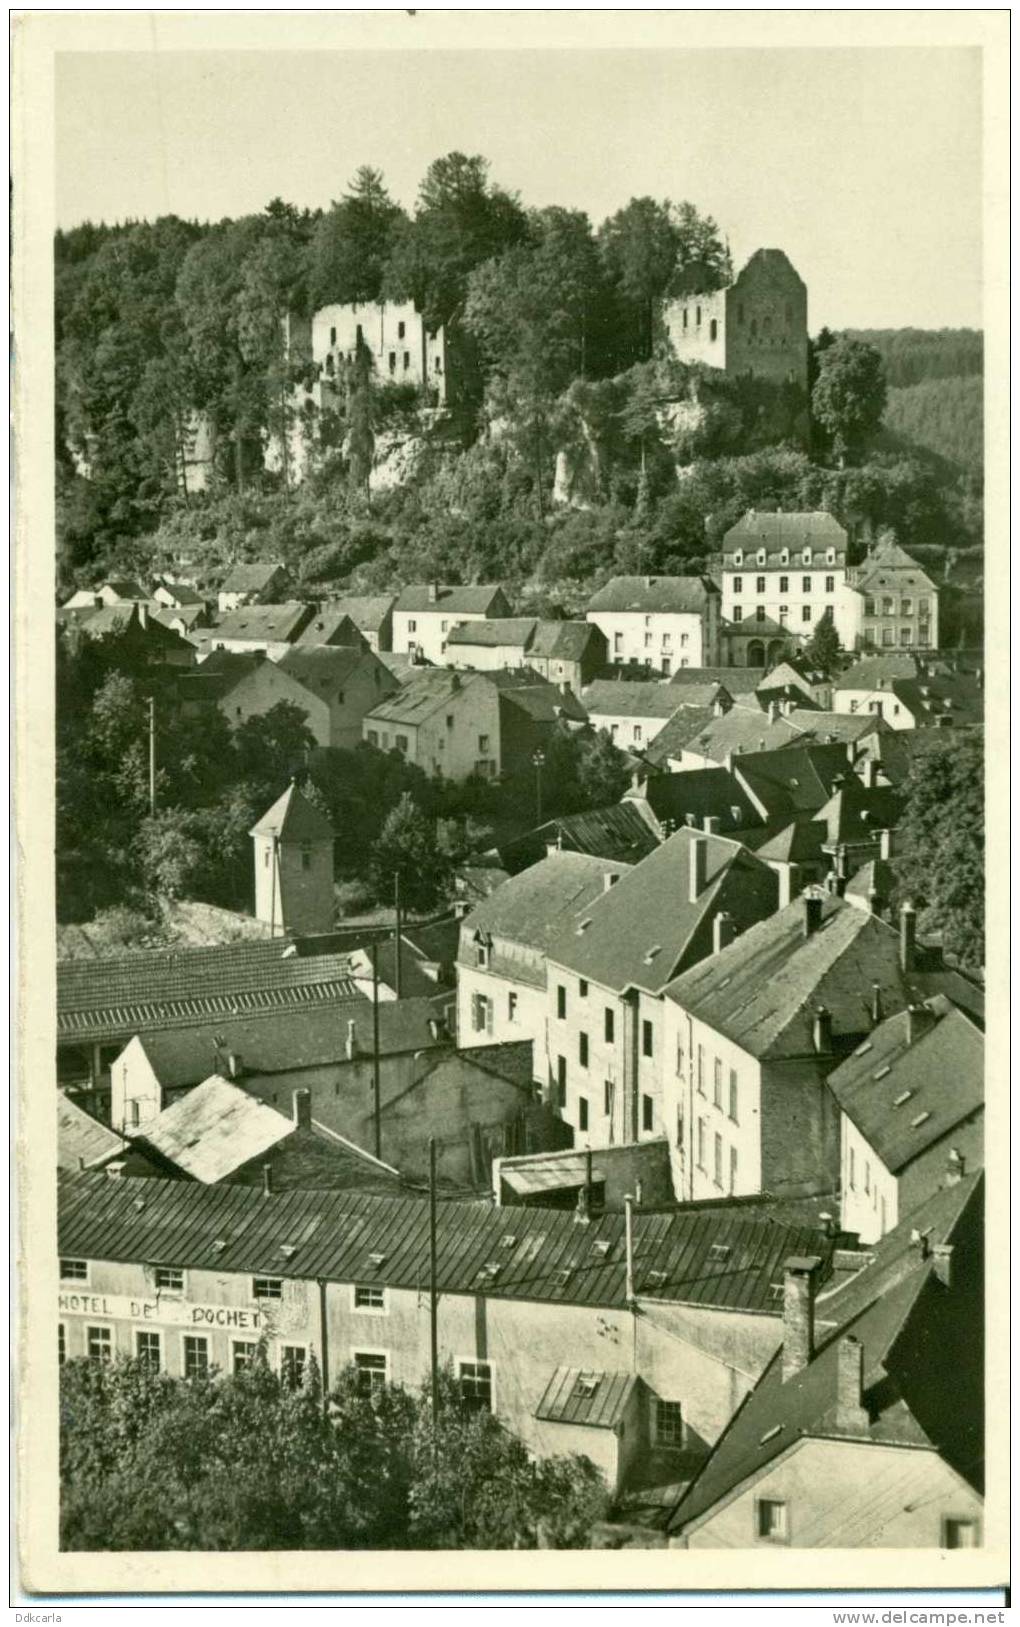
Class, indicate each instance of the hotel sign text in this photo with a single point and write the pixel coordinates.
(124, 1308)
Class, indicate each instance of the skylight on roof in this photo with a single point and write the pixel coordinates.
(508, 1240)
(587, 1383)
(583, 927)
(904, 1096)
(602, 1245)
(863, 1049)
(656, 949)
(915, 1124)
(880, 1073)
(377, 1260)
(770, 1434)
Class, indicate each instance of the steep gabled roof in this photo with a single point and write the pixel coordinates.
(367, 611)
(618, 833)
(642, 931)
(514, 630)
(214, 1130)
(607, 697)
(738, 680)
(542, 700)
(811, 529)
(83, 1141)
(563, 640)
(697, 794)
(531, 907)
(477, 599)
(332, 626)
(903, 1093)
(916, 1347)
(276, 623)
(661, 595)
(876, 672)
(741, 731)
(826, 727)
(324, 668)
(889, 565)
(250, 578)
(798, 779)
(292, 818)
(429, 689)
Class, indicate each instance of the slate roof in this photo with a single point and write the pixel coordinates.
(662, 595)
(740, 731)
(81, 1140)
(756, 626)
(541, 699)
(763, 989)
(562, 640)
(275, 623)
(292, 818)
(367, 611)
(424, 693)
(698, 793)
(330, 626)
(642, 931)
(900, 1313)
(618, 833)
(798, 779)
(957, 698)
(876, 672)
(401, 665)
(826, 726)
(183, 595)
(904, 1097)
(889, 565)
(855, 812)
(477, 599)
(606, 698)
(188, 614)
(167, 988)
(214, 1130)
(686, 724)
(587, 1396)
(285, 1041)
(497, 630)
(774, 532)
(738, 680)
(531, 1254)
(531, 907)
(249, 578)
(323, 668)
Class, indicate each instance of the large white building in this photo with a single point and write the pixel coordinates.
(402, 349)
(426, 612)
(661, 622)
(786, 569)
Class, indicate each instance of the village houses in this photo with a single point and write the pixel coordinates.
(425, 613)
(905, 692)
(335, 687)
(570, 652)
(892, 603)
(661, 622)
(262, 582)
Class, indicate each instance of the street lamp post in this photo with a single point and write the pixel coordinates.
(538, 759)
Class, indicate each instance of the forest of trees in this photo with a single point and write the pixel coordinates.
(561, 361)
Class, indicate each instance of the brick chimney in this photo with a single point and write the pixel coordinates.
(609, 880)
(822, 1031)
(812, 914)
(876, 1003)
(942, 1254)
(722, 931)
(143, 614)
(798, 1312)
(351, 1042)
(698, 873)
(956, 1167)
(908, 937)
(267, 1179)
(302, 1104)
(851, 1415)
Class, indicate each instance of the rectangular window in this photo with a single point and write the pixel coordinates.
(373, 740)
(147, 1349)
(851, 1169)
(869, 607)
(561, 1001)
(609, 1026)
(738, 584)
(959, 1533)
(617, 642)
(401, 330)
(370, 1371)
(733, 1095)
(392, 359)
(888, 607)
(830, 584)
(412, 625)
(483, 743)
(476, 1385)
(607, 1097)
(647, 1038)
(481, 955)
(805, 584)
(74, 1271)
(733, 1169)
(170, 1278)
(805, 612)
(582, 1049)
(582, 1113)
(717, 1160)
(648, 641)
(666, 641)
(771, 1524)
(701, 1070)
(242, 1354)
(196, 1355)
(667, 666)
(647, 1113)
(887, 635)
(267, 1287)
(369, 1296)
(561, 1081)
(511, 1007)
(582, 987)
(759, 584)
(669, 1425)
(61, 1344)
(716, 1082)
(867, 1176)
(637, 732)
(759, 612)
(684, 640)
(701, 1144)
(407, 360)
(400, 741)
(784, 584)
(292, 1365)
(906, 635)
(738, 613)
(99, 1344)
(481, 1014)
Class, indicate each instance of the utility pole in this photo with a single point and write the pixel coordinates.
(538, 759)
(273, 880)
(397, 933)
(376, 1101)
(433, 1299)
(152, 755)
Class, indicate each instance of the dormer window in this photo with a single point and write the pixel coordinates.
(784, 558)
(807, 556)
(830, 556)
(738, 557)
(761, 556)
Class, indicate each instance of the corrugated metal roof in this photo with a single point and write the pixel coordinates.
(524, 1253)
(578, 1395)
(165, 975)
(104, 1023)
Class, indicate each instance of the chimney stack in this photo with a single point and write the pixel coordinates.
(788, 876)
(876, 1003)
(698, 868)
(143, 614)
(302, 1105)
(956, 1167)
(870, 774)
(775, 710)
(851, 1415)
(798, 1312)
(943, 1253)
(822, 1031)
(722, 931)
(433, 591)
(908, 937)
(234, 1064)
(885, 845)
(351, 1042)
(267, 1179)
(812, 914)
(711, 823)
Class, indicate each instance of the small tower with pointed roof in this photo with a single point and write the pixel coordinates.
(294, 866)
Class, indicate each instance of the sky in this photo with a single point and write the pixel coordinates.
(864, 165)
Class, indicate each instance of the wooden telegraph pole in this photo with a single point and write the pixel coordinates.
(376, 1101)
(433, 1299)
